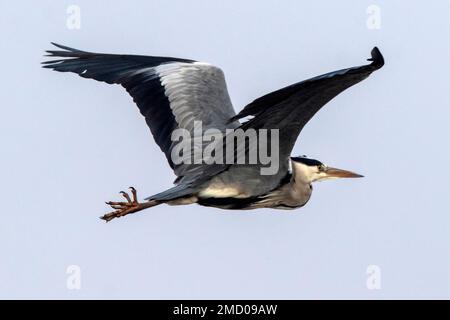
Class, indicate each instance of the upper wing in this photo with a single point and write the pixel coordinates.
(290, 108)
(171, 93)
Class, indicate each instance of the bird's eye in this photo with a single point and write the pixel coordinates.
(321, 168)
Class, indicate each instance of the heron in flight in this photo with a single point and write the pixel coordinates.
(174, 93)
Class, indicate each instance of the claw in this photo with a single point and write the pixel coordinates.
(126, 196)
(108, 217)
(125, 208)
(134, 194)
(111, 203)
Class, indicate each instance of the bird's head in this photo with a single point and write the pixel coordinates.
(310, 170)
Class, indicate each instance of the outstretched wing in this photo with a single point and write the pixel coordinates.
(170, 92)
(290, 108)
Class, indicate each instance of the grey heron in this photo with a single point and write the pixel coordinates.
(173, 93)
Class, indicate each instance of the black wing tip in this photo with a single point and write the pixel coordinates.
(67, 53)
(66, 48)
(376, 58)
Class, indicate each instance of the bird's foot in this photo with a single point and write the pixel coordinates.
(123, 208)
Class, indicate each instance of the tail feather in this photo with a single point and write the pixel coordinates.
(176, 192)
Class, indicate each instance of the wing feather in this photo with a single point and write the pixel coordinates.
(170, 92)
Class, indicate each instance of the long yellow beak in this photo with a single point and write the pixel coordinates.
(339, 173)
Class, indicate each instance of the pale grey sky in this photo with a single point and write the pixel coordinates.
(68, 144)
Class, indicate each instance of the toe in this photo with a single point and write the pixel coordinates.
(134, 194)
(126, 196)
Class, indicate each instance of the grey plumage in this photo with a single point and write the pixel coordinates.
(172, 93)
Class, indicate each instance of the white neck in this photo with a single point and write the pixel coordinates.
(303, 173)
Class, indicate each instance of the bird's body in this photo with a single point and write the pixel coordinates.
(176, 95)
(287, 196)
